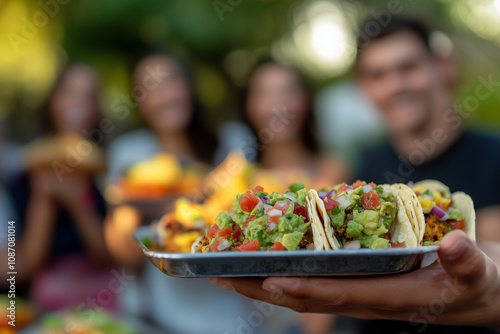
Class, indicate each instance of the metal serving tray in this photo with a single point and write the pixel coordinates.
(359, 262)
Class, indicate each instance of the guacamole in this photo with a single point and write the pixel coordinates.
(361, 212)
(262, 221)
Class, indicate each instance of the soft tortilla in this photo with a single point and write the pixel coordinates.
(322, 215)
(433, 185)
(464, 203)
(401, 228)
(413, 211)
(319, 236)
(196, 246)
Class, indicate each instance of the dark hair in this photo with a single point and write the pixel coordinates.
(200, 135)
(46, 118)
(308, 135)
(396, 24)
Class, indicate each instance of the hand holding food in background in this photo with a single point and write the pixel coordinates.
(65, 153)
(119, 226)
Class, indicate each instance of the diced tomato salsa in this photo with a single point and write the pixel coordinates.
(398, 244)
(277, 246)
(330, 204)
(456, 224)
(225, 232)
(248, 202)
(212, 231)
(358, 184)
(370, 200)
(251, 246)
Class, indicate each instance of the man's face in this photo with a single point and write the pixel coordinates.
(402, 78)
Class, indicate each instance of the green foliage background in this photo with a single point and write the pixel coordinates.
(112, 34)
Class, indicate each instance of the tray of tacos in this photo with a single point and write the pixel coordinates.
(344, 230)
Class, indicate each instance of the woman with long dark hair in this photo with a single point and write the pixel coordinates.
(175, 126)
(163, 90)
(278, 107)
(60, 209)
(170, 109)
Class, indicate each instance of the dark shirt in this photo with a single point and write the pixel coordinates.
(66, 239)
(471, 164)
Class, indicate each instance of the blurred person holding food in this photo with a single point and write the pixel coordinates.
(176, 132)
(279, 109)
(147, 164)
(60, 236)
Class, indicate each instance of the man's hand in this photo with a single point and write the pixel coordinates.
(463, 288)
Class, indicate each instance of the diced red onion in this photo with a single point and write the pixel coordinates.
(264, 199)
(428, 197)
(344, 202)
(231, 213)
(271, 226)
(440, 213)
(331, 193)
(355, 244)
(259, 205)
(275, 212)
(224, 245)
(281, 203)
(290, 197)
(267, 206)
(360, 208)
(367, 188)
(322, 194)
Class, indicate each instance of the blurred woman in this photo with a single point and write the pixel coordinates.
(60, 209)
(278, 107)
(172, 113)
(174, 122)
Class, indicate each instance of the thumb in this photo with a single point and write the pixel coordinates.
(461, 258)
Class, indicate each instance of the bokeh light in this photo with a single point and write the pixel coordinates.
(480, 16)
(321, 42)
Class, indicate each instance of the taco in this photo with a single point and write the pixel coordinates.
(364, 216)
(263, 221)
(439, 211)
